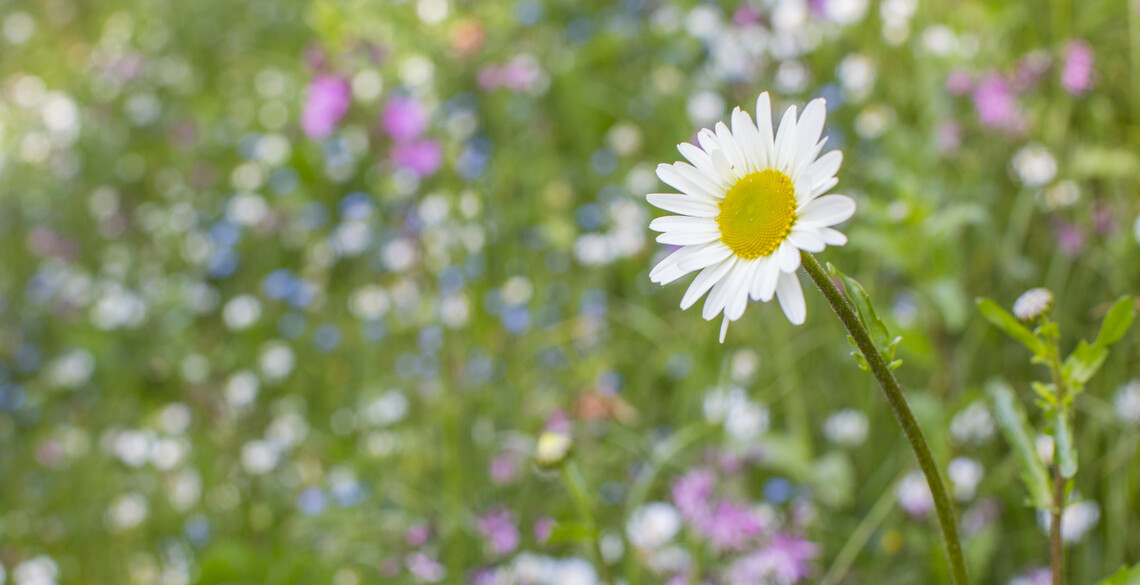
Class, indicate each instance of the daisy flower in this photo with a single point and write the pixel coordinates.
(748, 203)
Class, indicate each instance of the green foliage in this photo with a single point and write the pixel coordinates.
(1017, 431)
(1009, 324)
(1063, 444)
(880, 335)
(1088, 358)
(1124, 576)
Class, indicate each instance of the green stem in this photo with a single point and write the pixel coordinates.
(902, 413)
(576, 483)
(1056, 545)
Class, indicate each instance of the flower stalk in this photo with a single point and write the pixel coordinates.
(901, 410)
(1056, 548)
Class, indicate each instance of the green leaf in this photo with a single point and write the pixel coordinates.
(1124, 576)
(1011, 419)
(1086, 359)
(1083, 363)
(862, 302)
(1063, 439)
(572, 532)
(1011, 326)
(1116, 322)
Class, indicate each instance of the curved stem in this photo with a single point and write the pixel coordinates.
(902, 413)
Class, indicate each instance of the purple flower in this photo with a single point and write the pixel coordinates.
(948, 137)
(543, 528)
(504, 468)
(422, 157)
(784, 561)
(558, 422)
(746, 15)
(1070, 239)
(1033, 577)
(424, 568)
(490, 77)
(498, 527)
(417, 535)
(1104, 220)
(692, 493)
(997, 105)
(404, 119)
(521, 73)
(486, 577)
(1030, 68)
(1077, 73)
(326, 102)
(959, 82)
(731, 527)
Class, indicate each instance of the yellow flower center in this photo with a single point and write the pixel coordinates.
(757, 214)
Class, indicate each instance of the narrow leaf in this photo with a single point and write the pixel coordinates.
(1011, 419)
(1116, 322)
(862, 302)
(1084, 362)
(1063, 439)
(1124, 576)
(1010, 325)
(572, 532)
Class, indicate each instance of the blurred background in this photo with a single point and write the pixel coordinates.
(290, 289)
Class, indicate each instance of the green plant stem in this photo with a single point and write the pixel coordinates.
(902, 413)
(576, 483)
(1056, 548)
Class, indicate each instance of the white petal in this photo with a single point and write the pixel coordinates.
(764, 129)
(695, 155)
(786, 141)
(788, 257)
(721, 293)
(806, 239)
(731, 150)
(707, 139)
(818, 177)
(826, 211)
(684, 261)
(701, 160)
(724, 328)
(687, 179)
(723, 167)
(688, 237)
(764, 283)
(809, 128)
(820, 189)
(749, 139)
(704, 281)
(738, 297)
(669, 223)
(791, 298)
(832, 237)
(825, 167)
(683, 204)
(805, 158)
(704, 255)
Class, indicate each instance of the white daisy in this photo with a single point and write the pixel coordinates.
(748, 204)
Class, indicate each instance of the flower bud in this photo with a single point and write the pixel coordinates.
(552, 449)
(1033, 304)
